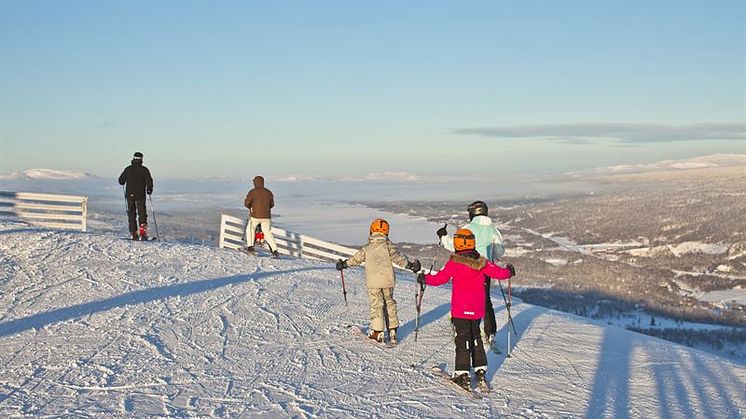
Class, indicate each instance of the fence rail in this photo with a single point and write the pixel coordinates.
(45, 210)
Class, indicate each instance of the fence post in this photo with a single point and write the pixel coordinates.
(221, 241)
(85, 214)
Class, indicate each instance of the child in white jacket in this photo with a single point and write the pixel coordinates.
(380, 255)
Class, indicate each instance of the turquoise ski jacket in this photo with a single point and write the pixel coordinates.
(488, 238)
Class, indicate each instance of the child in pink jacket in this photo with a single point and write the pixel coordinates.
(466, 268)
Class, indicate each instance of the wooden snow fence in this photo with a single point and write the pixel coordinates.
(232, 236)
(45, 210)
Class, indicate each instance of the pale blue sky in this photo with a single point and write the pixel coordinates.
(348, 88)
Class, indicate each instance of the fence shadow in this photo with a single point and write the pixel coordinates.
(147, 295)
(723, 400)
(611, 383)
(522, 322)
(406, 329)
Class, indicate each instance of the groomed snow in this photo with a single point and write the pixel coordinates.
(98, 326)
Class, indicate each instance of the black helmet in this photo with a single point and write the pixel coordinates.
(477, 208)
(138, 156)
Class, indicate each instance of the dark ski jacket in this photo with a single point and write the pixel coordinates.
(138, 180)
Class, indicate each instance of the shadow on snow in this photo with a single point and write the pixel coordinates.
(147, 295)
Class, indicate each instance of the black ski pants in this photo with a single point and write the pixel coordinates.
(135, 208)
(490, 325)
(469, 347)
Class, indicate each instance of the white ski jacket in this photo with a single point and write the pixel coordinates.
(379, 256)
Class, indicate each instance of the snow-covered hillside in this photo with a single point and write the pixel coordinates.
(98, 326)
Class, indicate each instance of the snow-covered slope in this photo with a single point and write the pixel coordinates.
(98, 326)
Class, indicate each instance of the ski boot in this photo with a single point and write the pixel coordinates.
(250, 250)
(482, 380)
(275, 254)
(135, 236)
(376, 335)
(143, 232)
(462, 379)
(392, 336)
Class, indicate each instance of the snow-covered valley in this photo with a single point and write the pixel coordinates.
(93, 325)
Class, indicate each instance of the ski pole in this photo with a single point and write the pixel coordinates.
(418, 303)
(344, 289)
(418, 296)
(344, 294)
(510, 318)
(155, 222)
(126, 204)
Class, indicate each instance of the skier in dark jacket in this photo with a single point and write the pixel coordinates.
(139, 182)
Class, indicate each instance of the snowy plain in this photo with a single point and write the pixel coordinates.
(92, 325)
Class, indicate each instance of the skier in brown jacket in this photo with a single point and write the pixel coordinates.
(379, 256)
(259, 201)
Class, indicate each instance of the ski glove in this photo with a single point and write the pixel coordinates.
(414, 266)
(511, 268)
(341, 264)
(421, 278)
(150, 191)
(442, 231)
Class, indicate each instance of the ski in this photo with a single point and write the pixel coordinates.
(442, 374)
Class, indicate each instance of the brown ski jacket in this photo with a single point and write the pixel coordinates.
(259, 200)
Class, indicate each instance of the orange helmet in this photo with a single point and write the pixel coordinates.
(379, 226)
(464, 240)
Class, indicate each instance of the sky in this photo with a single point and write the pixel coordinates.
(352, 88)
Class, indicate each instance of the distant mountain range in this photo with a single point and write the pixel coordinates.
(703, 162)
(48, 174)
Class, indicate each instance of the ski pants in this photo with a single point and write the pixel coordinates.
(135, 208)
(382, 309)
(266, 224)
(469, 347)
(490, 325)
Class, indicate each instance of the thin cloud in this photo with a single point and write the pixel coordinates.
(625, 133)
(104, 123)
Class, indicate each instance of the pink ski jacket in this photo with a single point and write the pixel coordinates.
(467, 293)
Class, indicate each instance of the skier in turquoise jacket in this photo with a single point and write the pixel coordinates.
(489, 244)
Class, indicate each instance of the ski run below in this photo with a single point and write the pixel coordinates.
(95, 326)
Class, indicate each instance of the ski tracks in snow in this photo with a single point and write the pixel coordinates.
(97, 326)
